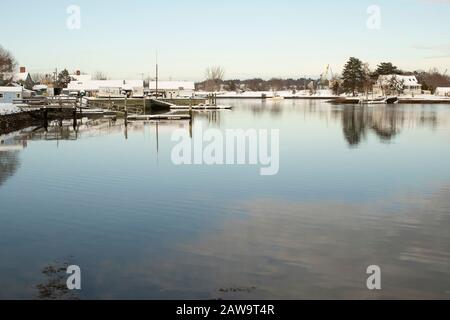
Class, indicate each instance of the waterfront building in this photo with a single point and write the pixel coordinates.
(9, 94)
(172, 89)
(406, 84)
(442, 91)
(105, 88)
(22, 77)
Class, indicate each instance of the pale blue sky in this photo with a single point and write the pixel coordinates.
(285, 38)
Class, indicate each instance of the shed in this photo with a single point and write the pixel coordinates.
(9, 94)
(442, 91)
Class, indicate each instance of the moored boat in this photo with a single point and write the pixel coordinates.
(382, 100)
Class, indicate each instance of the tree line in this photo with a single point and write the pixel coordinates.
(214, 81)
(356, 78)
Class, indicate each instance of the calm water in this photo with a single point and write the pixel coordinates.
(356, 187)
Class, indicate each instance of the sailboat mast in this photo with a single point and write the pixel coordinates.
(157, 75)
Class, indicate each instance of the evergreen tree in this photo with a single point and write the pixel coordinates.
(63, 78)
(386, 68)
(353, 76)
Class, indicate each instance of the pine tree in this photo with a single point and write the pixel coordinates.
(63, 78)
(353, 76)
(386, 68)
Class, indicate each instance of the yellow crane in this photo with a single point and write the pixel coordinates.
(324, 76)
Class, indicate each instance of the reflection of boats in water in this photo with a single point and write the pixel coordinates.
(382, 100)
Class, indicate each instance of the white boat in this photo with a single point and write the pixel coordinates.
(382, 100)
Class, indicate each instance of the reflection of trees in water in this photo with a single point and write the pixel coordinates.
(55, 286)
(354, 125)
(273, 108)
(385, 121)
(9, 163)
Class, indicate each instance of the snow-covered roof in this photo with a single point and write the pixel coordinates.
(443, 89)
(40, 87)
(21, 76)
(172, 85)
(11, 89)
(407, 80)
(95, 85)
(16, 76)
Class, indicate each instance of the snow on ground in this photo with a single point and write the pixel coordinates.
(424, 97)
(8, 108)
(270, 94)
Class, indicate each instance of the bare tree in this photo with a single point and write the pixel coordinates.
(42, 78)
(367, 79)
(99, 76)
(336, 85)
(276, 84)
(214, 76)
(7, 63)
(432, 79)
(395, 85)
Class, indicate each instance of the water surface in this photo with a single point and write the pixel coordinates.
(356, 187)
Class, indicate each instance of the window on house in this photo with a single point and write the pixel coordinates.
(18, 95)
(1, 95)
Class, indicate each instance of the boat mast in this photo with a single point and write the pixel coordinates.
(156, 74)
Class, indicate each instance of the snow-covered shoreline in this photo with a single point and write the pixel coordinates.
(269, 94)
(320, 94)
(8, 108)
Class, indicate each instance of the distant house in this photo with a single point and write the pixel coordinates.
(173, 89)
(105, 88)
(22, 77)
(81, 77)
(40, 89)
(442, 91)
(404, 84)
(9, 94)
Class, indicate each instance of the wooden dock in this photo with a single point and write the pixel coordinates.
(200, 107)
(163, 116)
(128, 109)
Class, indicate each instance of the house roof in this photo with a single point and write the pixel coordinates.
(95, 85)
(11, 89)
(407, 80)
(40, 87)
(443, 89)
(172, 85)
(16, 76)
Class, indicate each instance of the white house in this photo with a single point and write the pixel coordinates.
(442, 91)
(406, 84)
(22, 77)
(173, 89)
(105, 88)
(9, 94)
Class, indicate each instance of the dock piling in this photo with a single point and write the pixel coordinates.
(45, 111)
(75, 118)
(126, 112)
